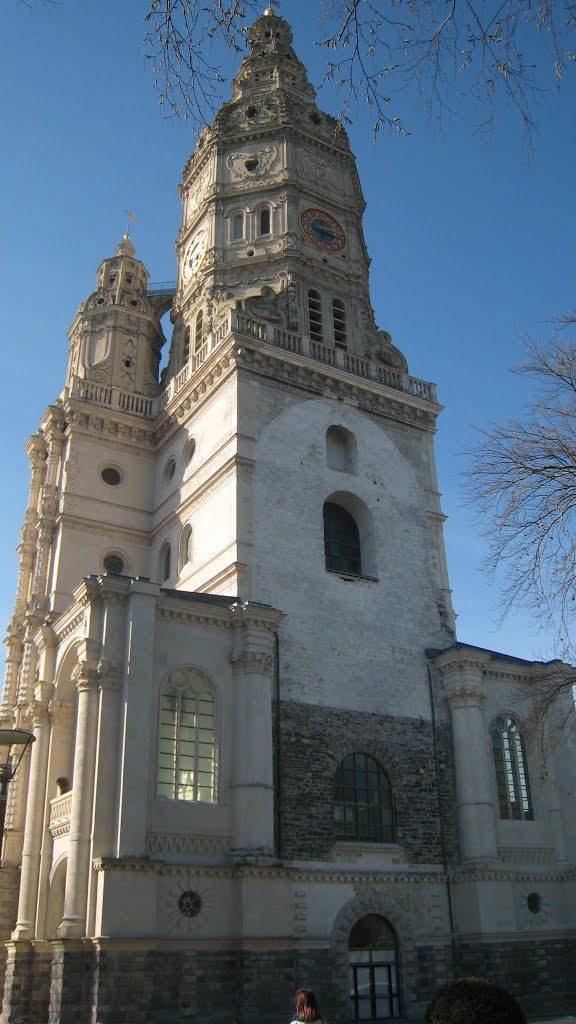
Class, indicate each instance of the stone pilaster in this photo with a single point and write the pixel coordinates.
(253, 781)
(76, 894)
(465, 692)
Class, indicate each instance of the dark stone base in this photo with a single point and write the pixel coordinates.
(540, 973)
(67, 982)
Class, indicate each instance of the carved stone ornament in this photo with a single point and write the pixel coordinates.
(246, 165)
(315, 167)
(267, 306)
(381, 348)
(85, 677)
(253, 661)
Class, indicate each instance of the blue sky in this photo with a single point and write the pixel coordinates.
(471, 245)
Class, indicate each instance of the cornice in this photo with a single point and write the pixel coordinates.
(99, 422)
(277, 871)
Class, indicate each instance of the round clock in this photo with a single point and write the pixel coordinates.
(322, 230)
(194, 253)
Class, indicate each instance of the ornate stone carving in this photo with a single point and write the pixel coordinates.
(240, 163)
(253, 661)
(178, 844)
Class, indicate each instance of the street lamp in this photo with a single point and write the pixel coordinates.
(12, 738)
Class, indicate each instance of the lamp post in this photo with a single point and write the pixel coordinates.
(13, 745)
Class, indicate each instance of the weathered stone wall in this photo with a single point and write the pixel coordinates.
(313, 742)
(143, 985)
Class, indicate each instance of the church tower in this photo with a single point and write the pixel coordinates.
(261, 758)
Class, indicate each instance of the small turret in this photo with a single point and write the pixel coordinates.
(116, 337)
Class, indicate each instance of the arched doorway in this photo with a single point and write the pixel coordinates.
(373, 958)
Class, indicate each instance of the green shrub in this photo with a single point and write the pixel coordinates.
(474, 1001)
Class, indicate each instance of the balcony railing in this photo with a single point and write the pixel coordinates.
(60, 810)
(238, 323)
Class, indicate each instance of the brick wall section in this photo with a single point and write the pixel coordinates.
(313, 742)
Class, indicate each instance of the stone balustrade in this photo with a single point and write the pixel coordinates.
(236, 322)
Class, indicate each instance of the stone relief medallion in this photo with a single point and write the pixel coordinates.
(316, 169)
(187, 905)
(322, 230)
(247, 165)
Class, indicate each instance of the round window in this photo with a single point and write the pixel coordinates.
(114, 565)
(534, 901)
(189, 449)
(189, 903)
(169, 469)
(111, 476)
(251, 165)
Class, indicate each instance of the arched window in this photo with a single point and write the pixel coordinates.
(315, 315)
(165, 560)
(339, 318)
(264, 225)
(238, 227)
(187, 738)
(186, 546)
(512, 781)
(363, 804)
(373, 954)
(340, 449)
(186, 346)
(198, 331)
(341, 540)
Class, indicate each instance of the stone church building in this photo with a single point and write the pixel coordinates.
(262, 760)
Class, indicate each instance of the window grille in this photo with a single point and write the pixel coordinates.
(187, 738)
(512, 780)
(341, 540)
(363, 804)
(198, 331)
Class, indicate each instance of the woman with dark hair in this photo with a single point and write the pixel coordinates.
(307, 1009)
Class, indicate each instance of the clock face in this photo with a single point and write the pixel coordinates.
(322, 230)
(194, 253)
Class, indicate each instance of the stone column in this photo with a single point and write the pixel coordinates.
(35, 804)
(465, 692)
(76, 894)
(253, 781)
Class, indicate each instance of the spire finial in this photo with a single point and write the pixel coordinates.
(270, 8)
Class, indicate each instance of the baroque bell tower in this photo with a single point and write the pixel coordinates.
(261, 757)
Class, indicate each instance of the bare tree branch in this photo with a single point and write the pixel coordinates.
(494, 50)
(522, 481)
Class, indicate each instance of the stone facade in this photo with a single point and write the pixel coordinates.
(233, 581)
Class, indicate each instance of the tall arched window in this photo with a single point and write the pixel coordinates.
(198, 331)
(165, 562)
(339, 319)
(341, 540)
(238, 227)
(185, 546)
(374, 984)
(315, 315)
(187, 738)
(363, 804)
(264, 225)
(512, 780)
